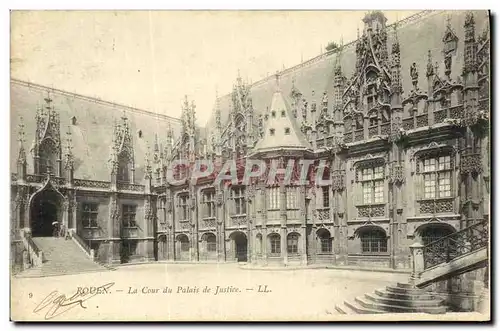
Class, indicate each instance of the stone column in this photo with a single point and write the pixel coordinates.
(417, 260)
(284, 252)
(303, 242)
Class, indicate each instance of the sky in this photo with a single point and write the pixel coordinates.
(152, 59)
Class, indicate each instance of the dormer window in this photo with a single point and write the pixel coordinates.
(139, 133)
(287, 131)
(73, 120)
(273, 114)
(283, 113)
(271, 132)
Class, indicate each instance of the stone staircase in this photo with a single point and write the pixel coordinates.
(401, 298)
(61, 257)
(442, 259)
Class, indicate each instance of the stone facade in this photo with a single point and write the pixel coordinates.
(401, 131)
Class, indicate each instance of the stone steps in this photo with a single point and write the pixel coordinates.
(400, 298)
(404, 302)
(61, 257)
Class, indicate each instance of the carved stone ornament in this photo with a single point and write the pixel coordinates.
(396, 173)
(470, 164)
(219, 197)
(371, 211)
(338, 180)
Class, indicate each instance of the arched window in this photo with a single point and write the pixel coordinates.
(292, 243)
(373, 241)
(123, 168)
(275, 243)
(325, 241)
(47, 157)
(434, 233)
(184, 240)
(211, 242)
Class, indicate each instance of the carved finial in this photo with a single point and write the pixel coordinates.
(69, 141)
(21, 134)
(156, 145)
(148, 169)
(21, 138)
(395, 43)
(124, 116)
(448, 21)
(277, 77)
(48, 100)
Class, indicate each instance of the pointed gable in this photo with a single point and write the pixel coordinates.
(281, 131)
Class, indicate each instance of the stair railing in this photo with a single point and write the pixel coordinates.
(448, 248)
(35, 255)
(456, 244)
(82, 244)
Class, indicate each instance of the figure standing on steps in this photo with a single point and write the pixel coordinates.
(55, 228)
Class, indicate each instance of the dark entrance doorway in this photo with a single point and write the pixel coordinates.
(44, 211)
(240, 246)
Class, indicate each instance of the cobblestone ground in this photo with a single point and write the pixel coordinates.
(197, 292)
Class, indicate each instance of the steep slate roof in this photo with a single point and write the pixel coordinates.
(93, 133)
(280, 122)
(417, 34)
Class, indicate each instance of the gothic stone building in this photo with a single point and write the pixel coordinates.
(399, 116)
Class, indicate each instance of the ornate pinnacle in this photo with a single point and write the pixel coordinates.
(21, 139)
(21, 134)
(48, 100)
(156, 147)
(277, 77)
(148, 170)
(69, 148)
(395, 43)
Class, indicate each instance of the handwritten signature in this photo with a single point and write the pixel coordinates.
(56, 303)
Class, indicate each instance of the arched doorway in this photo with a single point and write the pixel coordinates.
(45, 210)
(240, 244)
(183, 248)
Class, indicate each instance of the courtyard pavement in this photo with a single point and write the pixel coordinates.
(193, 292)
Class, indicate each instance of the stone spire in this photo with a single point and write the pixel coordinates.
(21, 156)
(470, 45)
(147, 164)
(450, 41)
(218, 126)
(396, 65)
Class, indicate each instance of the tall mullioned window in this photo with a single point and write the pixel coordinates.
(275, 243)
(183, 207)
(293, 243)
(89, 215)
(273, 196)
(372, 180)
(325, 194)
(291, 198)
(437, 177)
(128, 216)
(239, 202)
(208, 203)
